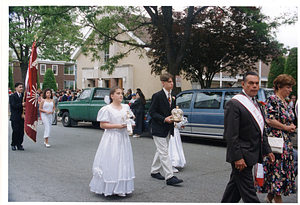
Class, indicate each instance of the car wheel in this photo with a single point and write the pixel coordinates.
(66, 120)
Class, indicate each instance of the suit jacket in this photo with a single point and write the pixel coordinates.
(64, 98)
(160, 109)
(243, 135)
(16, 106)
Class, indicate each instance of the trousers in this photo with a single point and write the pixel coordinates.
(240, 185)
(17, 132)
(161, 157)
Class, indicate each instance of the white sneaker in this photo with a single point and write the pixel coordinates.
(136, 135)
(175, 170)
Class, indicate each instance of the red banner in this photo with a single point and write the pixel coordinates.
(31, 113)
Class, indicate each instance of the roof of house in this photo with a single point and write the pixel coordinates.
(146, 38)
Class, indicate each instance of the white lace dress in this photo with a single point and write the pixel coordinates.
(113, 169)
(175, 148)
(47, 118)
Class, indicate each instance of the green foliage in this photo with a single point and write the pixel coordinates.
(55, 29)
(49, 80)
(276, 68)
(233, 45)
(11, 79)
(109, 29)
(291, 66)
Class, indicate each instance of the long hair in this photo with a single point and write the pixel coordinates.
(112, 91)
(44, 94)
(142, 97)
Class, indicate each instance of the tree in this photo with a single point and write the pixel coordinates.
(49, 80)
(276, 68)
(106, 30)
(10, 72)
(227, 39)
(291, 66)
(57, 35)
(174, 31)
(11, 79)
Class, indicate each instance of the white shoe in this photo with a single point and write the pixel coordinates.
(175, 170)
(136, 135)
(47, 145)
(122, 195)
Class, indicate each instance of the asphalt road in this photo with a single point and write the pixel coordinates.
(62, 173)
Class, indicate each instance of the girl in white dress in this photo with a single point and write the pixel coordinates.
(113, 170)
(47, 108)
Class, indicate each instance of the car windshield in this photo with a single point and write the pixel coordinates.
(84, 94)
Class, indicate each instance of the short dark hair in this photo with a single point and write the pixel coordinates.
(249, 73)
(165, 77)
(46, 90)
(17, 84)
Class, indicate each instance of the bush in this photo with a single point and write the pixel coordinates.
(291, 67)
(49, 80)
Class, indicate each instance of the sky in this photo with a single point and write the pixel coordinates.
(288, 35)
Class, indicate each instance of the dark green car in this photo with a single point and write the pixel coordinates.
(84, 108)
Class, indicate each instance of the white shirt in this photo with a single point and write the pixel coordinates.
(251, 99)
(167, 93)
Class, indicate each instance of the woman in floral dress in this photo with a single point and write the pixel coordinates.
(279, 177)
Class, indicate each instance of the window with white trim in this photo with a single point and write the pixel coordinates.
(69, 70)
(69, 84)
(55, 69)
(42, 69)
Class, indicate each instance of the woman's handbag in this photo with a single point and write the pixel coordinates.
(276, 144)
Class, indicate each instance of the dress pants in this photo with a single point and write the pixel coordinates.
(161, 157)
(240, 185)
(17, 132)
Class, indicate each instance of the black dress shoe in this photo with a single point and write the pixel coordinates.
(158, 176)
(20, 148)
(13, 147)
(174, 180)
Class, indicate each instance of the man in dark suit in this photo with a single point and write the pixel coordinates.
(64, 97)
(16, 117)
(162, 127)
(246, 141)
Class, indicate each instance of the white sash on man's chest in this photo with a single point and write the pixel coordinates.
(249, 105)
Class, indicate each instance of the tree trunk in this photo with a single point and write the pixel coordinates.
(174, 70)
(24, 67)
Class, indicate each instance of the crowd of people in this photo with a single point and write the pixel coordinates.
(249, 127)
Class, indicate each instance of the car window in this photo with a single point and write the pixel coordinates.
(208, 100)
(183, 101)
(99, 94)
(268, 93)
(228, 96)
(84, 94)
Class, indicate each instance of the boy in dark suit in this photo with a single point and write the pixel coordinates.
(16, 117)
(246, 141)
(162, 127)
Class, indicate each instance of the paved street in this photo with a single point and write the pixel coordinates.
(62, 173)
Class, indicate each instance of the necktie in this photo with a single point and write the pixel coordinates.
(169, 98)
